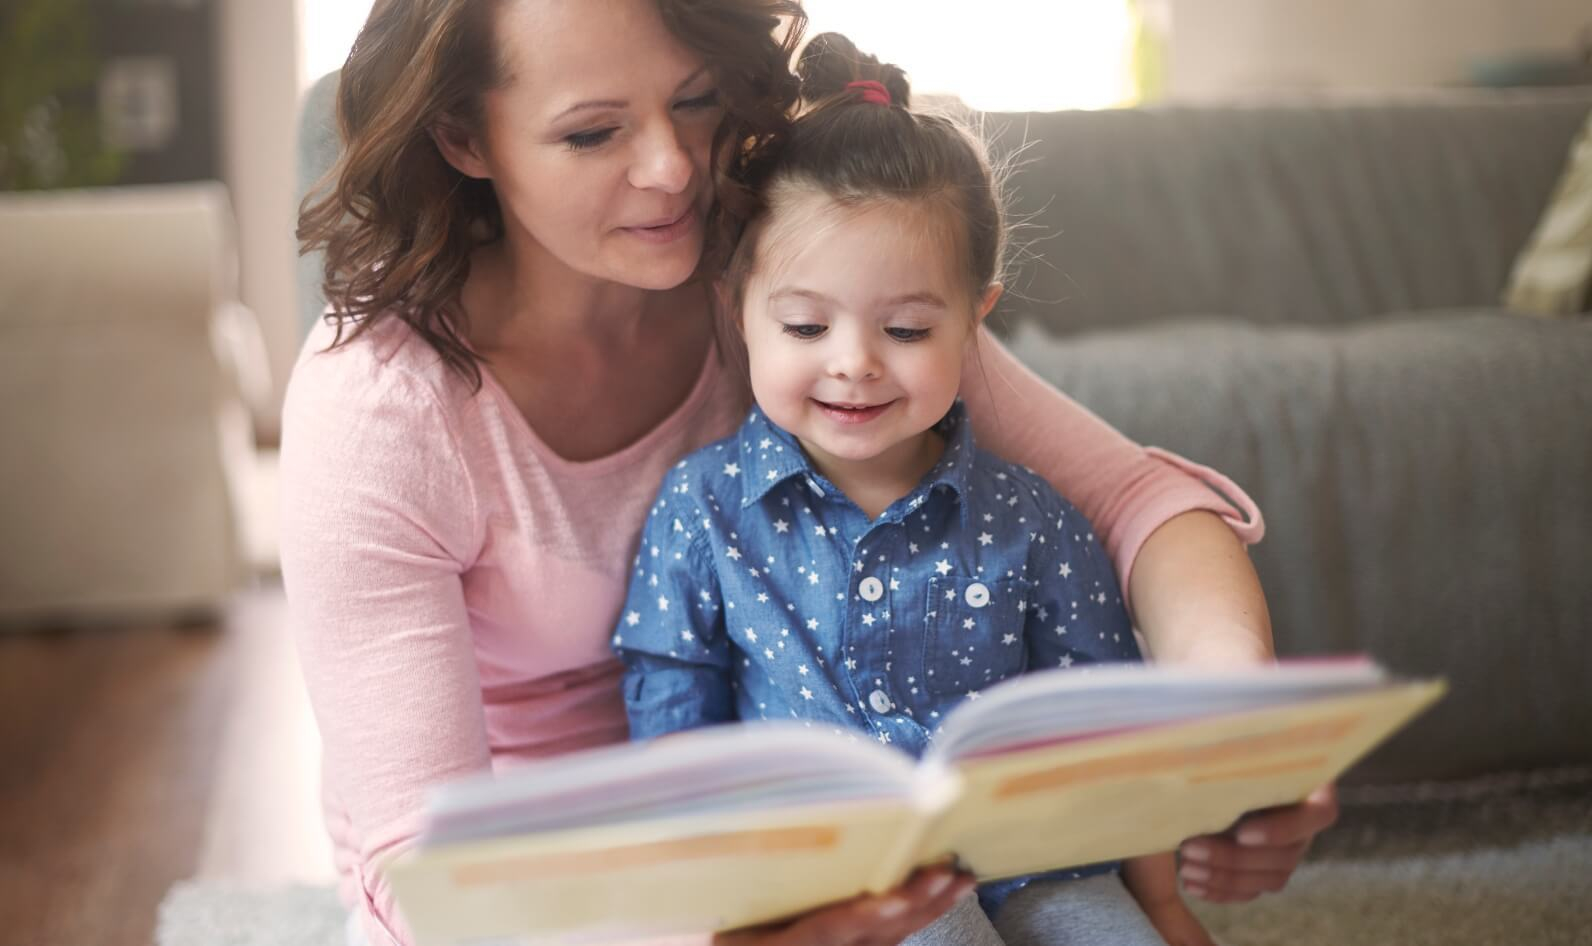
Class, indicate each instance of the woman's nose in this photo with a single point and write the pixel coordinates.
(663, 163)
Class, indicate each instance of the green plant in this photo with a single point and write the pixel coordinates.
(49, 127)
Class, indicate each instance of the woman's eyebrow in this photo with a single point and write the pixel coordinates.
(621, 103)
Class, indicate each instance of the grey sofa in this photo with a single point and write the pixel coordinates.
(1306, 297)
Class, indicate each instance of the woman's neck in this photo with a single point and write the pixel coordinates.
(525, 301)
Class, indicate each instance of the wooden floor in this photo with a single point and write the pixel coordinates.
(135, 757)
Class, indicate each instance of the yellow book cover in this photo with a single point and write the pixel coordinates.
(736, 825)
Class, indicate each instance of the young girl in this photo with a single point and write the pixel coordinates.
(849, 557)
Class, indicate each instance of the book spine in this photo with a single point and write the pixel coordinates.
(935, 789)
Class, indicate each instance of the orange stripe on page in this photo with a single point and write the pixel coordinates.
(1261, 771)
(1182, 758)
(774, 841)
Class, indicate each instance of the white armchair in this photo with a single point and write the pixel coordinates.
(126, 364)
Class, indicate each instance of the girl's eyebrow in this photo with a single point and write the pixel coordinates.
(924, 298)
(621, 103)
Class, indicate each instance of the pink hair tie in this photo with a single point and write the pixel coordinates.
(874, 93)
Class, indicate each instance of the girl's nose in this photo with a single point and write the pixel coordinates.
(853, 360)
(663, 163)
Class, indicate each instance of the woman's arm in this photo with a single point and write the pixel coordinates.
(1126, 491)
(1178, 548)
(1197, 597)
(377, 514)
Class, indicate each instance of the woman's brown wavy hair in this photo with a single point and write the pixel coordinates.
(398, 223)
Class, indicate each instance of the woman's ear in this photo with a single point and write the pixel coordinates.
(461, 149)
(992, 295)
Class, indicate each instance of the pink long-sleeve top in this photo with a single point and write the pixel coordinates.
(452, 583)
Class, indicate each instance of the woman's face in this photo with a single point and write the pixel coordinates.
(599, 142)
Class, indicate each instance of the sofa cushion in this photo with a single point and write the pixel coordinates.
(1553, 275)
(1427, 485)
(1306, 212)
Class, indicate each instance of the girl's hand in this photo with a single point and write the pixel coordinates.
(1259, 853)
(883, 920)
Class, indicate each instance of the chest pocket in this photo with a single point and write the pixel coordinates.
(975, 633)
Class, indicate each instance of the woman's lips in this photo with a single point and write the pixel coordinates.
(668, 231)
(852, 414)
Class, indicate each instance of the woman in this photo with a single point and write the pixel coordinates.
(528, 191)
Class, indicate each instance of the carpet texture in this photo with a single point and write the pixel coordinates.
(1499, 860)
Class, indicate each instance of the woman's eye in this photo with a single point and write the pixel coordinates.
(706, 100)
(804, 331)
(907, 334)
(586, 140)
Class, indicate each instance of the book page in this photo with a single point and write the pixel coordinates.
(1140, 791)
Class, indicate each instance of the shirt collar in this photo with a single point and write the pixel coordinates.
(770, 455)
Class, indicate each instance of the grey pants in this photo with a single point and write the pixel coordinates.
(1094, 911)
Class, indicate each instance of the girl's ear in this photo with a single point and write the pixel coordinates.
(992, 295)
(460, 149)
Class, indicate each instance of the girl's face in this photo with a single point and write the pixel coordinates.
(598, 144)
(856, 320)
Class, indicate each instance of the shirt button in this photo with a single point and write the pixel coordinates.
(977, 594)
(871, 589)
(880, 702)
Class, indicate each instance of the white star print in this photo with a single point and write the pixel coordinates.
(633, 618)
(751, 635)
(1065, 661)
(984, 538)
(772, 476)
(851, 664)
(1009, 639)
(803, 670)
(762, 597)
(812, 578)
(663, 603)
(912, 548)
(764, 444)
(943, 567)
(731, 469)
(806, 693)
(687, 636)
(781, 526)
(734, 554)
(820, 531)
(812, 624)
(867, 620)
(1066, 570)
(968, 624)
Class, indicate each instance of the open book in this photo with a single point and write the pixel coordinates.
(735, 825)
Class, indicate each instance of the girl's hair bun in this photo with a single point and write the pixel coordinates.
(831, 61)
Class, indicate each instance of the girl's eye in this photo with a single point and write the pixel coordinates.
(706, 100)
(907, 334)
(804, 331)
(586, 140)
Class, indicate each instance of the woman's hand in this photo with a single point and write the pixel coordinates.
(883, 920)
(1259, 853)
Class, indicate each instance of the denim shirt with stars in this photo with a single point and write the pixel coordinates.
(760, 592)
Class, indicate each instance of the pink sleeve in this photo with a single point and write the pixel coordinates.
(1126, 490)
(378, 521)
